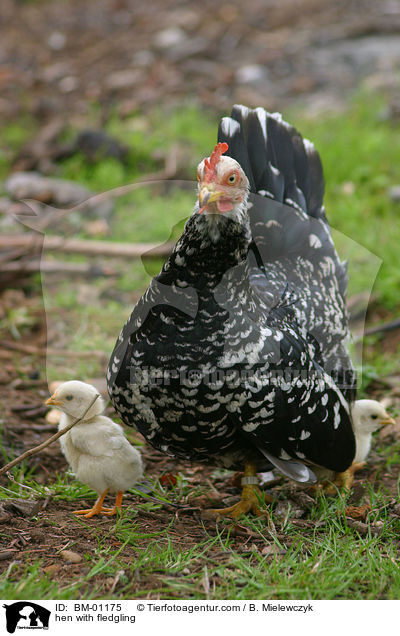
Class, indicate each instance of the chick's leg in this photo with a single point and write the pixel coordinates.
(117, 506)
(345, 480)
(342, 480)
(96, 510)
(251, 497)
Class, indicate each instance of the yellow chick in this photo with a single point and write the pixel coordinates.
(96, 448)
(367, 417)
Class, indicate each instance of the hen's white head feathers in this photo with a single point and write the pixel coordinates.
(223, 187)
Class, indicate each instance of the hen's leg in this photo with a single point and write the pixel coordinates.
(251, 497)
(345, 480)
(342, 480)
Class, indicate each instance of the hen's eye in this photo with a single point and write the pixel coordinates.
(374, 417)
(232, 178)
(69, 397)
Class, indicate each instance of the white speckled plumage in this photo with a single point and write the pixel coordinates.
(260, 339)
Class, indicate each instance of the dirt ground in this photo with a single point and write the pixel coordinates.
(60, 58)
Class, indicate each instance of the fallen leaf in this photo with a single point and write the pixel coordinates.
(236, 480)
(358, 512)
(168, 480)
(364, 528)
(52, 569)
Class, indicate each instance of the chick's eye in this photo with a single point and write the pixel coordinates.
(374, 417)
(232, 178)
(69, 397)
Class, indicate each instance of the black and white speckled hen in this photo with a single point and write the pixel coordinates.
(236, 354)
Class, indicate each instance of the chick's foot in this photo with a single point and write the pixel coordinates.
(96, 510)
(117, 506)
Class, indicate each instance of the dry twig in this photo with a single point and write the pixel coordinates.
(40, 351)
(34, 243)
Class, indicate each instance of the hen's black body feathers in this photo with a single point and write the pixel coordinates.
(238, 347)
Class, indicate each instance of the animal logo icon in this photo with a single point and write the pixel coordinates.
(26, 615)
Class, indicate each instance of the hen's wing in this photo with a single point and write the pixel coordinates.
(292, 245)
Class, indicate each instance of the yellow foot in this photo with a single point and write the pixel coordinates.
(117, 506)
(343, 480)
(92, 512)
(245, 505)
(97, 508)
(251, 500)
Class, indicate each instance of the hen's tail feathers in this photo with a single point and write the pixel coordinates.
(291, 468)
(278, 162)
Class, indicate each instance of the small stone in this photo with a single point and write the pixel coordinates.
(394, 193)
(348, 188)
(32, 185)
(251, 74)
(168, 38)
(57, 41)
(70, 556)
(51, 569)
(143, 58)
(272, 550)
(123, 79)
(68, 84)
(22, 507)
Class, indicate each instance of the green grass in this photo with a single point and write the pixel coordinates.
(332, 561)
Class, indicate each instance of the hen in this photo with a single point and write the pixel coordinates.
(236, 354)
(96, 449)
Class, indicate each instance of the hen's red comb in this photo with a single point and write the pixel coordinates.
(210, 165)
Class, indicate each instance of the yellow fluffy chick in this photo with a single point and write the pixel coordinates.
(367, 417)
(96, 448)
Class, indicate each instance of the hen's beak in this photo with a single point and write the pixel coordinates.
(208, 195)
(52, 401)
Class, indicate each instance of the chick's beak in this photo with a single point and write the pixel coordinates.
(387, 420)
(52, 401)
(208, 195)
